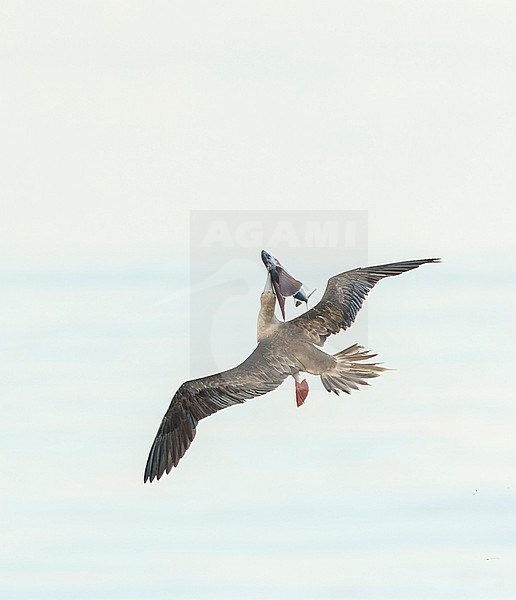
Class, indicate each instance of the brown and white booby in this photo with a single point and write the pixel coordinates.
(284, 348)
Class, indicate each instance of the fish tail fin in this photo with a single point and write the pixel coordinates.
(298, 302)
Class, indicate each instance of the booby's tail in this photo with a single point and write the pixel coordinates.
(350, 370)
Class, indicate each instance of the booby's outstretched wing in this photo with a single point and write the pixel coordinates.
(263, 371)
(343, 298)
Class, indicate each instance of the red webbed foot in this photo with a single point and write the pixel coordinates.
(301, 391)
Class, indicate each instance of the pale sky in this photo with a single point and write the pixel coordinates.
(118, 119)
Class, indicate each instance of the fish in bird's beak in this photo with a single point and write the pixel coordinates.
(283, 283)
(302, 296)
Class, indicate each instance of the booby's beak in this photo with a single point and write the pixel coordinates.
(279, 296)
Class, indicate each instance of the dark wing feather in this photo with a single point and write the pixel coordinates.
(263, 371)
(343, 298)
